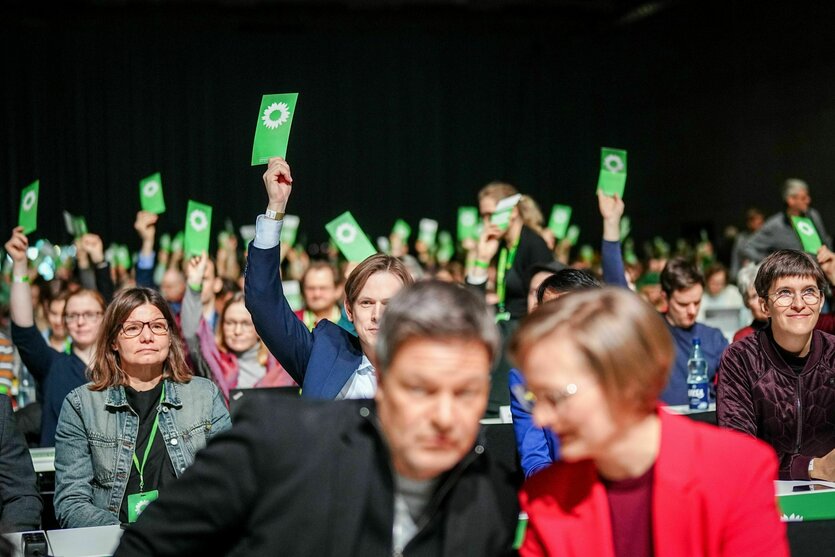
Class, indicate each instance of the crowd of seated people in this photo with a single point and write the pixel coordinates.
(134, 365)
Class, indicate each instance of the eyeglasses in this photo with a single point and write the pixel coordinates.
(91, 316)
(527, 399)
(244, 325)
(784, 297)
(133, 329)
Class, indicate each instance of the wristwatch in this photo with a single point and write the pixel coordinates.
(275, 215)
(811, 467)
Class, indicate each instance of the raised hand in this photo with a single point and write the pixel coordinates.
(16, 247)
(92, 244)
(195, 269)
(279, 182)
(611, 209)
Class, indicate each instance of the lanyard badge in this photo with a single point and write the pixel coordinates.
(137, 502)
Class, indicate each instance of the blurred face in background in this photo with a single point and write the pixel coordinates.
(716, 283)
(752, 302)
(238, 331)
(798, 202)
(173, 286)
(55, 315)
(82, 315)
(320, 291)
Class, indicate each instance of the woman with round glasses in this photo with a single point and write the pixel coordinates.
(778, 384)
(633, 480)
(57, 373)
(234, 355)
(137, 426)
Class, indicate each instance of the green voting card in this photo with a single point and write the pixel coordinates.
(467, 223)
(446, 247)
(289, 230)
(402, 230)
(28, 215)
(807, 233)
(428, 232)
(349, 237)
(198, 228)
(612, 178)
(150, 194)
(76, 225)
(504, 209)
(272, 131)
(572, 234)
(560, 218)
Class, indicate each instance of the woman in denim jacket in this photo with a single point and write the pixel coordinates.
(137, 426)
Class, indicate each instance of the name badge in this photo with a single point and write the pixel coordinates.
(138, 502)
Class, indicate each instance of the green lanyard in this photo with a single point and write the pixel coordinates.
(309, 319)
(505, 263)
(141, 469)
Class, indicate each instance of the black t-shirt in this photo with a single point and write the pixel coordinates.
(795, 362)
(158, 470)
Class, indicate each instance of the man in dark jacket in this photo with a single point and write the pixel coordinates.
(401, 475)
(778, 383)
(20, 504)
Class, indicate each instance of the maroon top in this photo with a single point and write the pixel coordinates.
(630, 504)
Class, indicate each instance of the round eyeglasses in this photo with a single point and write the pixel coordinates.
(784, 297)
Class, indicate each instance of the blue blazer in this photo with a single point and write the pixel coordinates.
(538, 448)
(321, 361)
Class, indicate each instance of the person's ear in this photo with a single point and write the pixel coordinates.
(348, 311)
(764, 306)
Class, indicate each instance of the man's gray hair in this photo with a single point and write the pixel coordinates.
(434, 310)
(792, 186)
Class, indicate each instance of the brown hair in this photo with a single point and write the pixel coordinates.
(788, 263)
(680, 274)
(379, 263)
(623, 339)
(106, 370)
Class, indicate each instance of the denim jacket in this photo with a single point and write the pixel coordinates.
(94, 444)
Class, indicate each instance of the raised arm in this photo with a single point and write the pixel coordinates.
(94, 247)
(34, 351)
(284, 334)
(611, 209)
(146, 226)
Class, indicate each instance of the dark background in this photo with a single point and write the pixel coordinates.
(407, 108)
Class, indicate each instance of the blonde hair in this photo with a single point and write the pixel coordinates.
(530, 213)
(496, 191)
(623, 340)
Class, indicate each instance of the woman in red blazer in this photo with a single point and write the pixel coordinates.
(633, 480)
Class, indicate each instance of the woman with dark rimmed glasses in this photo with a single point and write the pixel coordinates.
(137, 426)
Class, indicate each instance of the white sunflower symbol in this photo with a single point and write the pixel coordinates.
(198, 220)
(283, 116)
(467, 219)
(346, 232)
(805, 228)
(151, 188)
(560, 216)
(613, 163)
(29, 200)
(140, 506)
